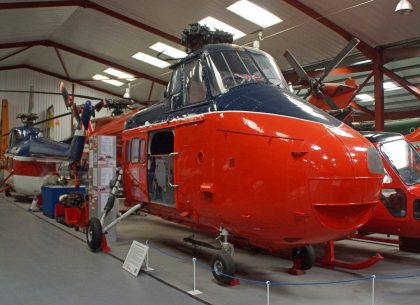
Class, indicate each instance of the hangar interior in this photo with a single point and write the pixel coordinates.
(356, 60)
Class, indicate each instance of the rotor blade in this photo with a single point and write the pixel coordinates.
(53, 118)
(31, 99)
(65, 94)
(339, 58)
(330, 102)
(98, 106)
(53, 93)
(43, 121)
(308, 93)
(297, 67)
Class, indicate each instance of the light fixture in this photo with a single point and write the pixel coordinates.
(151, 60)
(127, 91)
(390, 86)
(107, 80)
(254, 13)
(168, 50)
(404, 7)
(365, 97)
(362, 62)
(214, 24)
(119, 74)
(99, 77)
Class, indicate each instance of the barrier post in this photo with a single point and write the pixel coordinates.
(373, 289)
(268, 292)
(194, 291)
(147, 257)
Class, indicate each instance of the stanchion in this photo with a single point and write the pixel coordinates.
(194, 291)
(268, 292)
(147, 258)
(373, 289)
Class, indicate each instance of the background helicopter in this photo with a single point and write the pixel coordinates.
(399, 211)
(32, 159)
(336, 99)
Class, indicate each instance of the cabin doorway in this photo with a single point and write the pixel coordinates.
(160, 172)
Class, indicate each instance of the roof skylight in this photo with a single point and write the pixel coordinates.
(365, 97)
(119, 74)
(105, 79)
(254, 13)
(168, 50)
(151, 60)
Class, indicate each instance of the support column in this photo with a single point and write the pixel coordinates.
(379, 90)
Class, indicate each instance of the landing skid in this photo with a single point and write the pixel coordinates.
(329, 260)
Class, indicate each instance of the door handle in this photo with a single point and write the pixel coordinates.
(174, 186)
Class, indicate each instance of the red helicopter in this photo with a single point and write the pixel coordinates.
(232, 151)
(399, 211)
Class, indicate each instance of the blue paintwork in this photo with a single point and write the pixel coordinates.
(252, 97)
(32, 144)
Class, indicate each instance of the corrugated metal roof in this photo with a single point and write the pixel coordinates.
(104, 36)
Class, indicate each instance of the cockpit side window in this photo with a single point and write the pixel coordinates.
(270, 69)
(15, 136)
(176, 84)
(194, 86)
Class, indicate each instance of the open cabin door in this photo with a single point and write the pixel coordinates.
(160, 168)
(135, 154)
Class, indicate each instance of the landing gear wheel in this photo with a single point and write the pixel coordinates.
(94, 235)
(222, 267)
(306, 254)
(7, 193)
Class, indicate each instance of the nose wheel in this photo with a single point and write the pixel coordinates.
(94, 234)
(223, 267)
(303, 259)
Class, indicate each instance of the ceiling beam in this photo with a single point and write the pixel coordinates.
(15, 53)
(366, 49)
(398, 115)
(400, 53)
(414, 90)
(91, 5)
(62, 77)
(48, 43)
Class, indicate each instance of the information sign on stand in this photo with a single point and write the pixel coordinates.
(135, 258)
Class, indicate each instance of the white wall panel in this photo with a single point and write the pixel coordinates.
(22, 79)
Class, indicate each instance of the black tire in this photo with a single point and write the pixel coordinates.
(94, 235)
(7, 193)
(223, 267)
(307, 256)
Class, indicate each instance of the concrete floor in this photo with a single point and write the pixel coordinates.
(40, 265)
(172, 263)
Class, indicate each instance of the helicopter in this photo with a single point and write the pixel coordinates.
(231, 151)
(31, 158)
(399, 211)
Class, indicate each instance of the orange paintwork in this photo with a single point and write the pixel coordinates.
(276, 181)
(341, 94)
(414, 138)
(383, 221)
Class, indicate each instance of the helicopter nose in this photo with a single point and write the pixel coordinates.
(345, 179)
